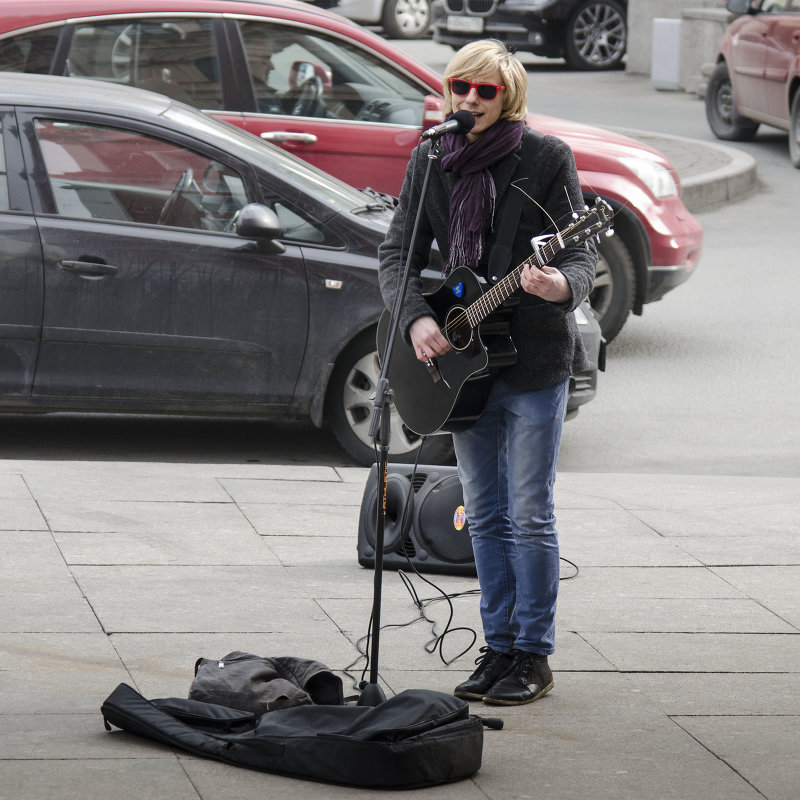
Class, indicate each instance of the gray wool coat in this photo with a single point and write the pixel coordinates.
(549, 347)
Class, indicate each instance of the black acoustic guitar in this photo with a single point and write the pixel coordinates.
(450, 391)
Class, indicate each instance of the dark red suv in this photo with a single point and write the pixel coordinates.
(346, 101)
(757, 75)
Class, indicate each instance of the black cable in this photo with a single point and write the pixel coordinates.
(572, 564)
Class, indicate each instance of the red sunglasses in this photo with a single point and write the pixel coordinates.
(486, 91)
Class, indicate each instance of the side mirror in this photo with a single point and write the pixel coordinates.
(256, 221)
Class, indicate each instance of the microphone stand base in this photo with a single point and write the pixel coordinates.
(371, 695)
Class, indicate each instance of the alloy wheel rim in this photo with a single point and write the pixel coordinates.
(600, 34)
(725, 102)
(357, 401)
(413, 16)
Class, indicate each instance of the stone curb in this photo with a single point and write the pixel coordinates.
(731, 176)
(725, 184)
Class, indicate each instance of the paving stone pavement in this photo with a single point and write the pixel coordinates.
(678, 647)
(677, 658)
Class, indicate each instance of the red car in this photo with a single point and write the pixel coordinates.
(348, 102)
(757, 75)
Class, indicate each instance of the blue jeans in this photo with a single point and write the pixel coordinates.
(507, 467)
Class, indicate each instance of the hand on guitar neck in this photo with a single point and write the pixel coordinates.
(545, 282)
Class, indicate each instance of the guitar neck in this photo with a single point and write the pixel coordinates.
(493, 298)
(597, 219)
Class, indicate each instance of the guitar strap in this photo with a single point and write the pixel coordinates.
(500, 254)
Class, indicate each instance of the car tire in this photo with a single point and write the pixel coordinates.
(724, 120)
(406, 19)
(614, 287)
(794, 131)
(596, 36)
(350, 403)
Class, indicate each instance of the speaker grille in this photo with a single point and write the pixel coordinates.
(439, 509)
(435, 537)
(396, 526)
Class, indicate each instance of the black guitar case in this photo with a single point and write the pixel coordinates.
(417, 738)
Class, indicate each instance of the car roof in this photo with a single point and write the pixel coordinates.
(83, 94)
(18, 14)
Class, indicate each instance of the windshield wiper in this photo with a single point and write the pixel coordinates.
(385, 202)
(370, 207)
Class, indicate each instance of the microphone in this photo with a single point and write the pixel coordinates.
(461, 122)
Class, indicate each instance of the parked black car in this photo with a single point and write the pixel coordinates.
(157, 260)
(588, 34)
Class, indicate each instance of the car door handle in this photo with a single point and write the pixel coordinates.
(288, 136)
(88, 269)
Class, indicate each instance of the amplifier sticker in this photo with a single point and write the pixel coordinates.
(459, 518)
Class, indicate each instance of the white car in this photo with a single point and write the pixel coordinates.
(399, 19)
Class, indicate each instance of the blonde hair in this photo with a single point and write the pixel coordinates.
(483, 58)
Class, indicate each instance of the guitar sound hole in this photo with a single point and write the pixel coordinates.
(457, 329)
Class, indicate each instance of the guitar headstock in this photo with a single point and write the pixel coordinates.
(591, 222)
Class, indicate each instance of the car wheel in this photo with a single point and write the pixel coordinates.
(596, 36)
(794, 131)
(723, 118)
(350, 402)
(406, 19)
(614, 286)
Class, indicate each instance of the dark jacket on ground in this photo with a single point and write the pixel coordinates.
(545, 334)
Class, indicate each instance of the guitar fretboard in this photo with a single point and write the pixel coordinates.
(493, 298)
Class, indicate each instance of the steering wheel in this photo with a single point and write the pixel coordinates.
(301, 100)
(230, 225)
(184, 182)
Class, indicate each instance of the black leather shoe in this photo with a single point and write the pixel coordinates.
(492, 665)
(528, 679)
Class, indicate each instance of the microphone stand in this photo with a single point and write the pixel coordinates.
(380, 433)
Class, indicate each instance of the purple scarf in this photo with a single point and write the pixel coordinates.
(472, 204)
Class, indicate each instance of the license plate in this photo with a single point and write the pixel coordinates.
(465, 24)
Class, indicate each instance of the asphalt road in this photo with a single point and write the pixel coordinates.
(706, 382)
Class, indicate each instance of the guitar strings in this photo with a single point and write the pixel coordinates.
(463, 323)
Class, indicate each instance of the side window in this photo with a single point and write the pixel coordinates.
(29, 52)
(176, 57)
(297, 224)
(302, 73)
(106, 173)
(4, 202)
